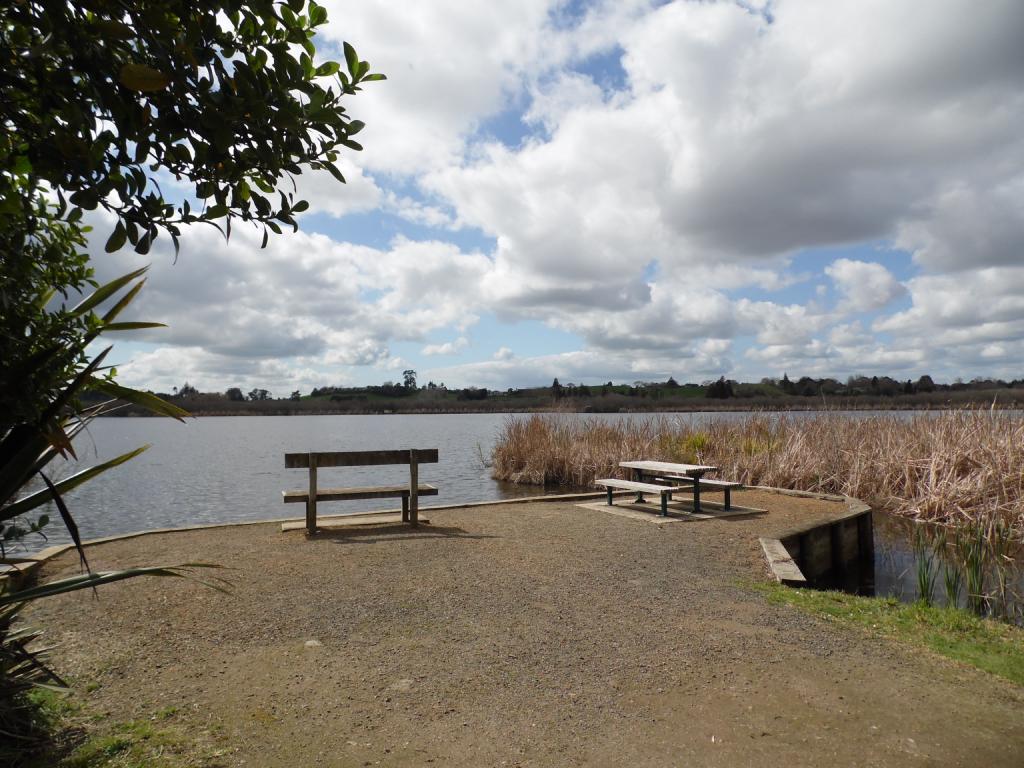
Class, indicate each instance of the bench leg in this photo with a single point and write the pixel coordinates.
(414, 484)
(405, 508)
(664, 504)
(310, 516)
(609, 495)
(311, 501)
(728, 505)
(637, 476)
(696, 494)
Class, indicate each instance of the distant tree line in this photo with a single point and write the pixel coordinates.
(784, 392)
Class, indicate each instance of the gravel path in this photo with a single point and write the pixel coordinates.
(537, 634)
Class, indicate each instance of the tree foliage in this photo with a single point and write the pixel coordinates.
(105, 100)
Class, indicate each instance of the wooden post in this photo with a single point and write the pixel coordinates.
(405, 507)
(311, 501)
(414, 485)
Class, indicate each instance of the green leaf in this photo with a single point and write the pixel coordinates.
(139, 77)
(317, 15)
(22, 166)
(300, 206)
(334, 172)
(327, 68)
(105, 291)
(216, 211)
(131, 326)
(123, 302)
(351, 59)
(373, 77)
(116, 239)
(91, 580)
(148, 401)
(355, 127)
(114, 30)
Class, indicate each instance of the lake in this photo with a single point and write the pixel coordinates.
(219, 469)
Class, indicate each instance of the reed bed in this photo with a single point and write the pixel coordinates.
(957, 468)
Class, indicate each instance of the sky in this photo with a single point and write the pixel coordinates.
(628, 191)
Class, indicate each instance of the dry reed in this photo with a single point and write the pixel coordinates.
(956, 467)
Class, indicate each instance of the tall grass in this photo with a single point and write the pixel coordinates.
(956, 468)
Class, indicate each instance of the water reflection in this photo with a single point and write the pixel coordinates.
(897, 562)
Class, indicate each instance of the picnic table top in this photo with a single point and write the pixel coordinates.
(667, 467)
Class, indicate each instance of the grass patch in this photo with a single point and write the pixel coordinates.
(989, 645)
(83, 741)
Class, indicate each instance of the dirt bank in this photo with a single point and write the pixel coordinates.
(537, 634)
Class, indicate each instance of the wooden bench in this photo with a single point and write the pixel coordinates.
(665, 491)
(408, 493)
(694, 486)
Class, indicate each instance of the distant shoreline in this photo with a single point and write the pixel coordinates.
(703, 406)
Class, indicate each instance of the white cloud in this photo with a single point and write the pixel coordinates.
(580, 367)
(962, 308)
(449, 65)
(325, 194)
(744, 139)
(568, 92)
(306, 299)
(864, 285)
(447, 348)
(967, 227)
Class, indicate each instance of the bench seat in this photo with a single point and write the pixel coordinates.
(719, 484)
(374, 492)
(706, 485)
(665, 491)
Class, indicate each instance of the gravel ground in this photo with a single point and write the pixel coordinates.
(536, 634)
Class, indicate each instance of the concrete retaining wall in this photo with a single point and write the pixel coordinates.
(835, 553)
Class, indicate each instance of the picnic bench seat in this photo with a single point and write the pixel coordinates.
(665, 491)
(691, 485)
(409, 494)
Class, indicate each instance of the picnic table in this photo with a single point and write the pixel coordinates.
(688, 474)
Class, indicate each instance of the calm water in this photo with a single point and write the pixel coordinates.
(225, 469)
(231, 468)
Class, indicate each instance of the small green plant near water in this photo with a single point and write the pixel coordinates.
(1000, 546)
(971, 552)
(687, 447)
(924, 557)
(992, 646)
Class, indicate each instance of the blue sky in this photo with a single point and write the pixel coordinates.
(625, 191)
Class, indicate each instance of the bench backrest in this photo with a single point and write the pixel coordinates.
(361, 458)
